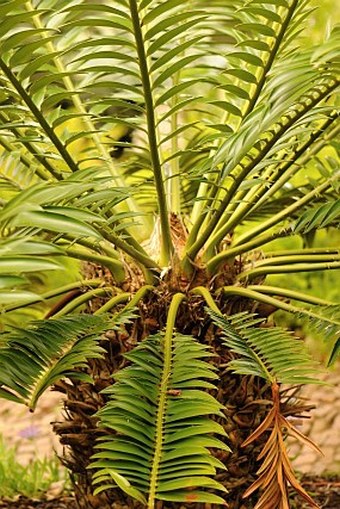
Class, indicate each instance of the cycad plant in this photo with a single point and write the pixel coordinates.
(186, 153)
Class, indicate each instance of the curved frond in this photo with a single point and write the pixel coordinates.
(34, 358)
(271, 353)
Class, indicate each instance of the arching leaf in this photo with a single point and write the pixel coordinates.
(271, 353)
(34, 358)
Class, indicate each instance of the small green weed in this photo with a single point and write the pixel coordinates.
(32, 480)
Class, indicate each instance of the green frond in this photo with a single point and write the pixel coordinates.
(271, 353)
(43, 194)
(324, 216)
(335, 353)
(230, 64)
(19, 257)
(74, 210)
(17, 297)
(17, 169)
(27, 246)
(34, 358)
(290, 294)
(326, 320)
(324, 316)
(37, 116)
(286, 111)
(160, 415)
(81, 286)
(290, 211)
(272, 198)
(22, 264)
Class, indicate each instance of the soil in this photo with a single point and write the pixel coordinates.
(325, 491)
(64, 502)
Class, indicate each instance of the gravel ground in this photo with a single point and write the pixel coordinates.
(323, 427)
(29, 432)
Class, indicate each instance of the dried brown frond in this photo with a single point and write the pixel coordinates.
(276, 474)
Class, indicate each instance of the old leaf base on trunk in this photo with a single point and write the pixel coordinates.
(247, 399)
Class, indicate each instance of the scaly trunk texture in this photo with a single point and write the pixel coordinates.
(246, 399)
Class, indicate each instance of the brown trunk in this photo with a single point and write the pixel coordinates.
(246, 399)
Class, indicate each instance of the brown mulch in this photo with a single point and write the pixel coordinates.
(325, 492)
(62, 502)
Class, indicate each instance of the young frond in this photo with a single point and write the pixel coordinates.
(159, 413)
(271, 353)
(34, 358)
